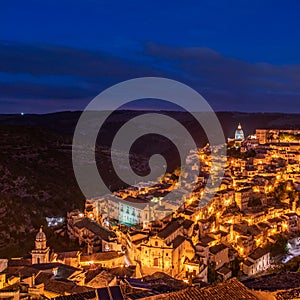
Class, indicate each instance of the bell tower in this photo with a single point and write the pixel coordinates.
(239, 133)
(40, 254)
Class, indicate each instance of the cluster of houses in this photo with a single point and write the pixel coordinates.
(44, 274)
(241, 220)
(257, 202)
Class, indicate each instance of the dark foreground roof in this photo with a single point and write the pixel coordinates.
(107, 293)
(81, 296)
(287, 295)
(231, 289)
(274, 282)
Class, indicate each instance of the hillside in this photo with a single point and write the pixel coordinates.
(37, 178)
(36, 181)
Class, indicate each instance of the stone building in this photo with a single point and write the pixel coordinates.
(40, 254)
(257, 261)
(157, 255)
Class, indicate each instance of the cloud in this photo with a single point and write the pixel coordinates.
(62, 74)
(72, 77)
(232, 83)
(56, 60)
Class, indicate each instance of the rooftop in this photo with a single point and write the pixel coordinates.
(258, 253)
(224, 271)
(206, 240)
(274, 282)
(178, 241)
(169, 229)
(231, 289)
(101, 256)
(217, 248)
(95, 228)
(69, 254)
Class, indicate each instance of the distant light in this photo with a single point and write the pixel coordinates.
(22, 114)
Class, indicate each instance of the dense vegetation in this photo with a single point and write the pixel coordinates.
(36, 181)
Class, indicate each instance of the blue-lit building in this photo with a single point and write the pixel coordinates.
(239, 133)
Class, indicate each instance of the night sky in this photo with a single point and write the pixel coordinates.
(240, 55)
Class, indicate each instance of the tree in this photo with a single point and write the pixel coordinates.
(280, 247)
(212, 273)
(280, 192)
(235, 267)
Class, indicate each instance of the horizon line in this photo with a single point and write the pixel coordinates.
(24, 113)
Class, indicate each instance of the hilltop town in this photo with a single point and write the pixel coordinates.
(248, 230)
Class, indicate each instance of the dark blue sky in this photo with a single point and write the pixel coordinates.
(240, 55)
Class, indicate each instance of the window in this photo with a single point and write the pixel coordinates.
(156, 244)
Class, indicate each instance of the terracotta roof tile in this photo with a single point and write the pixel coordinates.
(231, 289)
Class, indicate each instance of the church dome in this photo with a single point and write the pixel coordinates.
(239, 133)
(40, 235)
